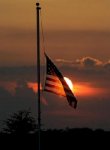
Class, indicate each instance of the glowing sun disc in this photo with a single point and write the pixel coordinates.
(69, 82)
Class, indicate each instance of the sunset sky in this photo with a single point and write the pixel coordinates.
(77, 39)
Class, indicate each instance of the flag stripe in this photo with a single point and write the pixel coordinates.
(56, 88)
(56, 85)
(56, 79)
(53, 80)
(52, 77)
(55, 92)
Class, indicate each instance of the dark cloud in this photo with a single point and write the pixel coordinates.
(87, 66)
(58, 113)
(107, 65)
(23, 99)
(89, 62)
(93, 110)
(85, 69)
(19, 74)
(4, 94)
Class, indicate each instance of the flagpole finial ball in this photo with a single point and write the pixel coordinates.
(37, 4)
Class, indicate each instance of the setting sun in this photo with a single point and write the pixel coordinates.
(69, 82)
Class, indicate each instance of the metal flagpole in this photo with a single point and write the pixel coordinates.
(38, 73)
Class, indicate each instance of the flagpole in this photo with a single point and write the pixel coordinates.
(38, 72)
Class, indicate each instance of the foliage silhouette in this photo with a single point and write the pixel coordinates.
(21, 133)
(20, 123)
(58, 139)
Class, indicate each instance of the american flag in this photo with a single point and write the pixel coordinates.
(55, 83)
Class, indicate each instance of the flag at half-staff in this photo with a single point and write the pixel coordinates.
(55, 83)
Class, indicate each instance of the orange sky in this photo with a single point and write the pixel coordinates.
(80, 89)
(92, 14)
(77, 32)
(91, 88)
(62, 23)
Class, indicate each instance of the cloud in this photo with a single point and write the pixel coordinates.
(86, 69)
(85, 62)
(85, 65)
(9, 86)
(89, 62)
(23, 99)
(107, 65)
(34, 86)
(64, 62)
(55, 110)
(4, 94)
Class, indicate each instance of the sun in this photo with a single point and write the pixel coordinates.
(69, 82)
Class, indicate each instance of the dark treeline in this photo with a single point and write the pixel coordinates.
(20, 132)
(68, 139)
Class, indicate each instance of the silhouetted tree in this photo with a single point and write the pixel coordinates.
(20, 123)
